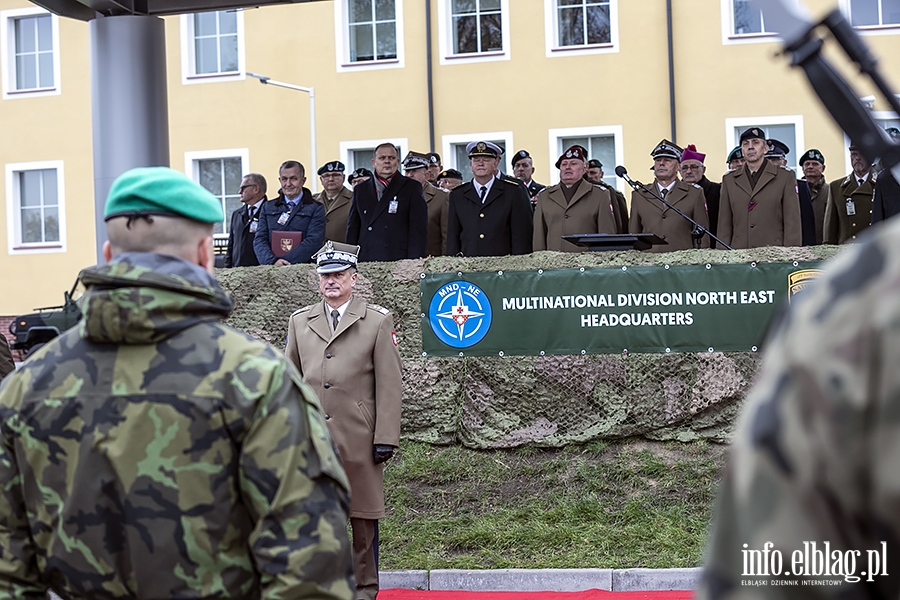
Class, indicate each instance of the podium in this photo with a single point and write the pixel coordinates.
(608, 242)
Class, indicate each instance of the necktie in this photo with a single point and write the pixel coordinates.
(483, 190)
(250, 212)
(335, 317)
(860, 181)
(665, 192)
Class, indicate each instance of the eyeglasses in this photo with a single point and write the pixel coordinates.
(331, 175)
(244, 187)
(691, 167)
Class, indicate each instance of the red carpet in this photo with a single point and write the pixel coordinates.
(398, 594)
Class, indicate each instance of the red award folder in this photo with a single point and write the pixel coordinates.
(285, 241)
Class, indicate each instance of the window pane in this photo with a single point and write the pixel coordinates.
(465, 35)
(211, 176)
(26, 72)
(570, 2)
(361, 44)
(207, 55)
(45, 33)
(30, 188)
(25, 32)
(233, 176)
(227, 21)
(384, 10)
(51, 197)
(45, 62)
(463, 7)
(491, 33)
(747, 18)
(360, 11)
(361, 158)
(864, 12)
(462, 161)
(571, 32)
(205, 24)
(490, 5)
(890, 12)
(51, 225)
(387, 42)
(598, 25)
(229, 46)
(32, 230)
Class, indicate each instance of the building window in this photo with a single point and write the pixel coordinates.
(360, 153)
(748, 19)
(787, 129)
(29, 40)
(212, 44)
(477, 26)
(35, 206)
(372, 30)
(602, 143)
(220, 172)
(583, 22)
(743, 22)
(873, 13)
(454, 150)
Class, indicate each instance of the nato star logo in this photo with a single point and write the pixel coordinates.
(460, 314)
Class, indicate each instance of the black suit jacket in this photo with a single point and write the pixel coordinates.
(502, 225)
(240, 239)
(886, 202)
(387, 232)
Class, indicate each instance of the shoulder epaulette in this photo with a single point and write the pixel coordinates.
(846, 180)
(697, 186)
(510, 179)
(380, 309)
(302, 310)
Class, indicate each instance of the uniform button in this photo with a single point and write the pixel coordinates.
(328, 355)
(481, 215)
(327, 417)
(481, 236)
(664, 216)
(567, 216)
(752, 224)
(326, 385)
(370, 229)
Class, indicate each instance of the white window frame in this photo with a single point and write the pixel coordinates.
(7, 58)
(555, 135)
(188, 76)
(445, 38)
(346, 147)
(738, 124)
(13, 214)
(448, 141)
(551, 33)
(869, 30)
(730, 37)
(342, 42)
(192, 169)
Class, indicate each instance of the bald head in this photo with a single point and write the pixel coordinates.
(176, 236)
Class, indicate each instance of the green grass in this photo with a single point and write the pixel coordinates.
(630, 503)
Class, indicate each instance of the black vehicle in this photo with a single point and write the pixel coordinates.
(33, 330)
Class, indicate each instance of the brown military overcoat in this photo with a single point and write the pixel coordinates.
(357, 376)
(649, 215)
(769, 215)
(820, 203)
(337, 212)
(840, 226)
(437, 200)
(590, 211)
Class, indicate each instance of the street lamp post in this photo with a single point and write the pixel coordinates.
(312, 119)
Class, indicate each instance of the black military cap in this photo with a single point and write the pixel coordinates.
(449, 174)
(667, 149)
(735, 154)
(483, 148)
(777, 149)
(594, 164)
(812, 154)
(415, 160)
(434, 158)
(520, 155)
(753, 133)
(331, 167)
(358, 174)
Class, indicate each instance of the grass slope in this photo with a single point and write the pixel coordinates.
(620, 504)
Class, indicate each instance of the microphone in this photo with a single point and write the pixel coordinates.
(621, 172)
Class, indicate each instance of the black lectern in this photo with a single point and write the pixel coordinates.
(607, 242)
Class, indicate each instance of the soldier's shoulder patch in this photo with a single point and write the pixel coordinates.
(380, 309)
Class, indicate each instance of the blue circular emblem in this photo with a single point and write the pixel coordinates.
(460, 314)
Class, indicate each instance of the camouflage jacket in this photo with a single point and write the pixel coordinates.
(153, 452)
(810, 502)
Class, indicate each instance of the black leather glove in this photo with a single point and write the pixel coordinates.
(382, 453)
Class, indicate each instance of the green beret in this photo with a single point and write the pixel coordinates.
(161, 191)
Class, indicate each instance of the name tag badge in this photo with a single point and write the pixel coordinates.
(253, 226)
(284, 218)
(851, 207)
(392, 207)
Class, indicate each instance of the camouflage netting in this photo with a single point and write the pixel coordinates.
(501, 402)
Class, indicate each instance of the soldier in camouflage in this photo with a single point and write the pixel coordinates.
(152, 451)
(816, 458)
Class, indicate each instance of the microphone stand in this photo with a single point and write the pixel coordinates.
(698, 230)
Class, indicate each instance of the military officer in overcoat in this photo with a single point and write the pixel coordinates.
(488, 216)
(594, 174)
(849, 210)
(649, 215)
(335, 197)
(523, 168)
(813, 164)
(415, 166)
(573, 206)
(346, 349)
(758, 204)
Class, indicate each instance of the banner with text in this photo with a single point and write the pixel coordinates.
(691, 308)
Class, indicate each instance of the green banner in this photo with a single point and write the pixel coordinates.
(692, 308)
